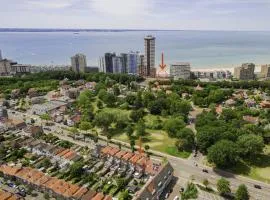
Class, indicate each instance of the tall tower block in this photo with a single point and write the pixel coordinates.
(149, 52)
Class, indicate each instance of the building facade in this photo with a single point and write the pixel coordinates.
(117, 62)
(245, 72)
(149, 49)
(180, 71)
(108, 60)
(265, 71)
(124, 62)
(5, 67)
(78, 63)
(141, 68)
(133, 59)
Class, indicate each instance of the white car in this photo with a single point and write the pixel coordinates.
(167, 195)
(176, 198)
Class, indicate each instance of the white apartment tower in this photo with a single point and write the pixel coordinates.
(180, 70)
(78, 63)
(149, 49)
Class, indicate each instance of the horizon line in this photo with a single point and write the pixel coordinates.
(111, 30)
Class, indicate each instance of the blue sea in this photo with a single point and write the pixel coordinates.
(203, 49)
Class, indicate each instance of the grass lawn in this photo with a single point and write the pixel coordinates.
(158, 140)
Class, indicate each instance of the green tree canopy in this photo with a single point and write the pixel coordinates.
(224, 154)
(250, 144)
(223, 186)
(242, 193)
(174, 125)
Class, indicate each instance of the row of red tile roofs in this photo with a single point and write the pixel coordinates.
(58, 186)
(134, 158)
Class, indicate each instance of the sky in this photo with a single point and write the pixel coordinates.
(137, 14)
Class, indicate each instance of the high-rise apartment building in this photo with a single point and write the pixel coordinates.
(265, 71)
(125, 62)
(78, 63)
(117, 62)
(149, 49)
(133, 59)
(245, 72)
(141, 68)
(109, 62)
(180, 70)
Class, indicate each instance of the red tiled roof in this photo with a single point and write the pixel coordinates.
(120, 154)
(36, 177)
(113, 151)
(99, 196)
(108, 198)
(106, 149)
(63, 153)
(127, 156)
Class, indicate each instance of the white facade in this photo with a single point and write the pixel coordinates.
(78, 63)
(180, 71)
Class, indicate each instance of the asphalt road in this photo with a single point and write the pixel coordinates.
(183, 168)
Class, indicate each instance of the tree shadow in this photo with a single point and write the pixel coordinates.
(261, 160)
(241, 168)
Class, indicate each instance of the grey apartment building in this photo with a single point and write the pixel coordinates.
(245, 72)
(180, 70)
(78, 63)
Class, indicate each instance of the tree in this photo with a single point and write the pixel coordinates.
(76, 169)
(223, 186)
(129, 131)
(156, 106)
(173, 125)
(188, 135)
(110, 99)
(136, 115)
(206, 183)
(146, 147)
(224, 154)
(140, 128)
(85, 126)
(99, 104)
(132, 144)
(116, 90)
(104, 119)
(242, 193)
(191, 192)
(124, 195)
(250, 144)
(182, 145)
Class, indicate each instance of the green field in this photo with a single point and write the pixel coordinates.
(158, 140)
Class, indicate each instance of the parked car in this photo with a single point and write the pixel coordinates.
(167, 195)
(176, 198)
(205, 170)
(258, 187)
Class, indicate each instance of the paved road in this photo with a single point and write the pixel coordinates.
(185, 168)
